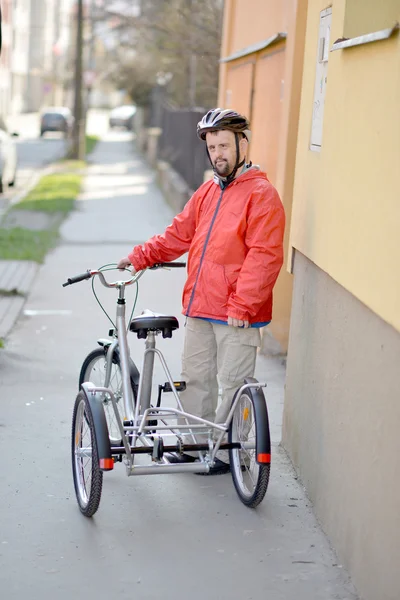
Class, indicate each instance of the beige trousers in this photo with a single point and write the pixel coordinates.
(215, 355)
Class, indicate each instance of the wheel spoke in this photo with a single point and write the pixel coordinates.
(96, 372)
(250, 476)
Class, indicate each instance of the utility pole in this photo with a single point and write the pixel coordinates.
(90, 58)
(1, 35)
(192, 67)
(78, 144)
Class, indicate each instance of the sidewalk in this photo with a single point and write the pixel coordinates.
(16, 278)
(277, 551)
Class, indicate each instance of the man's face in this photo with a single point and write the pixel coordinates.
(222, 149)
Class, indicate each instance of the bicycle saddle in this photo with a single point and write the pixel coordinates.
(150, 321)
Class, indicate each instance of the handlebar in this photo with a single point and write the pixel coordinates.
(78, 278)
(91, 273)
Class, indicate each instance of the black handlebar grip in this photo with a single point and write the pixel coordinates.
(175, 264)
(77, 278)
(168, 265)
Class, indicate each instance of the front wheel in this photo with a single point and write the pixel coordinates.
(249, 477)
(88, 478)
(94, 370)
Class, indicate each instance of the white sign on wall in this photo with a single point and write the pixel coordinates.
(321, 78)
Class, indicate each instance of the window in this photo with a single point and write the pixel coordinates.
(321, 78)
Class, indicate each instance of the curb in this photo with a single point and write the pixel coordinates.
(16, 278)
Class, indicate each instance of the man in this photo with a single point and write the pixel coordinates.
(233, 229)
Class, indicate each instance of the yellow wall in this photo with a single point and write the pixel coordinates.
(346, 211)
(366, 16)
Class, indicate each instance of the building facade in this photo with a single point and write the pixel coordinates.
(342, 403)
(260, 76)
(41, 35)
(6, 57)
(320, 82)
(20, 55)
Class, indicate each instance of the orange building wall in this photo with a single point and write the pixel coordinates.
(239, 85)
(266, 86)
(257, 20)
(267, 111)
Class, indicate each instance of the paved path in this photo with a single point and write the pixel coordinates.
(153, 537)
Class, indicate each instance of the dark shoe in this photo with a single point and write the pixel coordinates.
(219, 468)
(179, 458)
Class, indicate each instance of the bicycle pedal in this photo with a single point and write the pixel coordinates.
(180, 386)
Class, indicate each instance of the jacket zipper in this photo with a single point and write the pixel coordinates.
(204, 251)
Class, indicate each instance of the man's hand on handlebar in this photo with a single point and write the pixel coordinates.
(125, 263)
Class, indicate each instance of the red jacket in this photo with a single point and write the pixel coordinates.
(235, 243)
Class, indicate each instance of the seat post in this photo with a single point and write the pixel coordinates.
(124, 354)
(146, 379)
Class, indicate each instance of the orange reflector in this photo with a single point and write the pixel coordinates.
(246, 413)
(106, 464)
(263, 458)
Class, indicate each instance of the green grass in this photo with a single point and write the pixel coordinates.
(1, 343)
(91, 141)
(53, 193)
(11, 293)
(70, 165)
(24, 244)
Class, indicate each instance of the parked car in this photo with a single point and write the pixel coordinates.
(57, 119)
(122, 116)
(8, 157)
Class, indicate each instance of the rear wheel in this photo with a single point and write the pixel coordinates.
(249, 477)
(88, 478)
(94, 370)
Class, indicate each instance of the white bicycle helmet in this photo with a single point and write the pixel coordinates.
(217, 119)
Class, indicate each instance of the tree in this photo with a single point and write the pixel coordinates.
(180, 38)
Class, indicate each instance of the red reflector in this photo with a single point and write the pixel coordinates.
(106, 464)
(263, 458)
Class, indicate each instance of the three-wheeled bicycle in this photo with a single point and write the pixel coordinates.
(114, 420)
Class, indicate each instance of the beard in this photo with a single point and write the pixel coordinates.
(222, 168)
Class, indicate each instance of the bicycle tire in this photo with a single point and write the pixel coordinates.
(243, 463)
(88, 478)
(97, 360)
